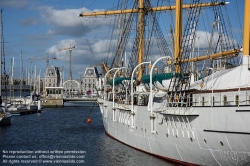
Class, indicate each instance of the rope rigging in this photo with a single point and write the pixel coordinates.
(187, 44)
(154, 32)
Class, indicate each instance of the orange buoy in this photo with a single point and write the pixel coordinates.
(89, 120)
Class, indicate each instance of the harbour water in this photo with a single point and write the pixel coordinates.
(61, 132)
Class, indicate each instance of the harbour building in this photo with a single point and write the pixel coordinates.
(89, 81)
(72, 88)
(86, 86)
(53, 82)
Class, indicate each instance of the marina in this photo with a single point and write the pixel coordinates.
(63, 129)
(154, 82)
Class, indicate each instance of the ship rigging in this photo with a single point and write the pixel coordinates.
(173, 104)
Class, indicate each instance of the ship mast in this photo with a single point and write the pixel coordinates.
(246, 34)
(178, 29)
(178, 35)
(141, 37)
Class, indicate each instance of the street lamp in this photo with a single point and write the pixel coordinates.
(132, 91)
(152, 117)
(113, 90)
(105, 88)
(151, 82)
(105, 81)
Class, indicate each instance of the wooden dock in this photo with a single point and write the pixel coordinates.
(52, 102)
(24, 112)
(85, 99)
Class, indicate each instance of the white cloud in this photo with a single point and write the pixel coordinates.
(62, 55)
(81, 54)
(68, 22)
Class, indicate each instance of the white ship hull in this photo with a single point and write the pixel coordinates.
(202, 136)
(191, 109)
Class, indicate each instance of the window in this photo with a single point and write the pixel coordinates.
(212, 101)
(237, 100)
(188, 100)
(203, 101)
(225, 100)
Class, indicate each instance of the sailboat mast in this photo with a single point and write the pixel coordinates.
(178, 35)
(141, 36)
(21, 72)
(1, 51)
(12, 75)
(246, 35)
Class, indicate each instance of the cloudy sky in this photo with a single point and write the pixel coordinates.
(37, 27)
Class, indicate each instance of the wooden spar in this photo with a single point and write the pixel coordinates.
(141, 38)
(163, 8)
(178, 35)
(213, 56)
(246, 36)
(178, 30)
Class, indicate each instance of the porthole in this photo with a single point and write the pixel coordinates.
(176, 136)
(205, 141)
(167, 134)
(221, 143)
(191, 139)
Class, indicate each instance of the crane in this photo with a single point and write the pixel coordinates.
(46, 58)
(70, 58)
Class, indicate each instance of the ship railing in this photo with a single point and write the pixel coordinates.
(223, 99)
(174, 108)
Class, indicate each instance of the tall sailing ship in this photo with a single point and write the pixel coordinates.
(183, 103)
